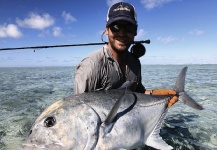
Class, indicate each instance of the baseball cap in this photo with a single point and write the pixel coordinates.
(121, 11)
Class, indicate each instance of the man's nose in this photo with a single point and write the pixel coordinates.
(122, 31)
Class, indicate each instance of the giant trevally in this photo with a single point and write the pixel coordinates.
(104, 120)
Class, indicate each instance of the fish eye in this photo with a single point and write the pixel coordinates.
(49, 122)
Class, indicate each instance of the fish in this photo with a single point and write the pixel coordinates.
(105, 120)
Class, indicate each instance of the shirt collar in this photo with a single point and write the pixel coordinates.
(108, 53)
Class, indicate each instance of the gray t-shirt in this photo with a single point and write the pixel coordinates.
(100, 71)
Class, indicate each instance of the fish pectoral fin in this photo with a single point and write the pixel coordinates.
(107, 125)
(111, 116)
(126, 85)
(106, 128)
(157, 142)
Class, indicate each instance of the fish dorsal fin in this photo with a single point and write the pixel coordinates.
(114, 110)
(155, 140)
(126, 85)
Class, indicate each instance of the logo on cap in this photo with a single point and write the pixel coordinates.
(120, 7)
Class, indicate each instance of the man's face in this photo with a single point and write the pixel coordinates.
(121, 35)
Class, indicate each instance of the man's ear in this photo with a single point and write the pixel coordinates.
(106, 30)
(136, 30)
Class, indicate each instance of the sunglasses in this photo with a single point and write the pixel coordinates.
(127, 28)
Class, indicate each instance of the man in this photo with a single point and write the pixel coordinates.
(113, 65)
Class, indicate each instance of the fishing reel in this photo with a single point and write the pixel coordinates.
(138, 49)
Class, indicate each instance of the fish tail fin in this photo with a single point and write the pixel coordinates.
(180, 89)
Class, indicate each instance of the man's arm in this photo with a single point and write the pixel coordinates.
(85, 76)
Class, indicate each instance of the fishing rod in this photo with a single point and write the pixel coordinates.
(69, 45)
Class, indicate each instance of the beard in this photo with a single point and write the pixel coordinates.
(120, 44)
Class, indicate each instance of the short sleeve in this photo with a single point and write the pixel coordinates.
(85, 76)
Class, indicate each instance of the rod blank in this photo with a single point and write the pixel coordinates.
(69, 45)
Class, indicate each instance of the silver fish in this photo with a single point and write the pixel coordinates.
(104, 120)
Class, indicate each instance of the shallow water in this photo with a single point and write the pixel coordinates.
(25, 92)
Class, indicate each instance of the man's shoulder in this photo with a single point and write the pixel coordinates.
(96, 55)
(93, 59)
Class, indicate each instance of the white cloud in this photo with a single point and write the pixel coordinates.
(10, 30)
(44, 33)
(140, 33)
(150, 4)
(196, 32)
(36, 21)
(68, 17)
(57, 31)
(166, 40)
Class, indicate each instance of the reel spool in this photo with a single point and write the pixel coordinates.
(138, 50)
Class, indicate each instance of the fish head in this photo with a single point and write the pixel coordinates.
(64, 125)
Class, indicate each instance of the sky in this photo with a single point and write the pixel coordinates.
(181, 31)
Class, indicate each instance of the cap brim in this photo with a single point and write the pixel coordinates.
(121, 18)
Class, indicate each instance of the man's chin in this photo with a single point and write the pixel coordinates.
(122, 45)
(122, 49)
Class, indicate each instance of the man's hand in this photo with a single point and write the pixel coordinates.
(169, 92)
(163, 92)
(172, 101)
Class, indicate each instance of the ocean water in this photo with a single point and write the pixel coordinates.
(26, 92)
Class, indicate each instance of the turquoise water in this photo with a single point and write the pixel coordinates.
(25, 92)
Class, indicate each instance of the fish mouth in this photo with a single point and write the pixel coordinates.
(32, 146)
(27, 146)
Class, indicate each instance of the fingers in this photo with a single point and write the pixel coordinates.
(172, 101)
(166, 92)
(171, 92)
(163, 92)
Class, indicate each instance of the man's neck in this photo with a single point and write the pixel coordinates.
(120, 57)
